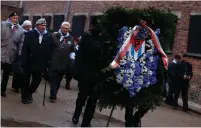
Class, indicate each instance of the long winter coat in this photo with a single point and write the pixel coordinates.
(61, 61)
(11, 42)
(35, 56)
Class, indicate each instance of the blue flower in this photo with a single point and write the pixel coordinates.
(148, 55)
(146, 80)
(125, 78)
(153, 80)
(127, 65)
(154, 66)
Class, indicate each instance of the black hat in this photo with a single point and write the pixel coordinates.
(185, 55)
(13, 14)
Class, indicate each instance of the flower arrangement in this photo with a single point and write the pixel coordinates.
(136, 74)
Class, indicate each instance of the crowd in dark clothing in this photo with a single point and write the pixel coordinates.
(34, 54)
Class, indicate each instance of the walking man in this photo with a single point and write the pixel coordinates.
(17, 68)
(12, 37)
(61, 61)
(36, 56)
(87, 57)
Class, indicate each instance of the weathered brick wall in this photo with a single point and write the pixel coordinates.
(89, 7)
(11, 3)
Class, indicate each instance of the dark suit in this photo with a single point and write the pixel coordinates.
(171, 81)
(183, 68)
(86, 63)
(35, 60)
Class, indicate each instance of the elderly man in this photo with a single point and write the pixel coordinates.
(27, 26)
(36, 56)
(12, 36)
(17, 68)
(61, 60)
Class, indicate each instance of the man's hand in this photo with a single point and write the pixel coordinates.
(106, 69)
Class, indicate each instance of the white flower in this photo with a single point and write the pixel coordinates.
(137, 90)
(132, 65)
(119, 78)
(122, 71)
(148, 83)
(150, 72)
(140, 81)
(151, 59)
(127, 85)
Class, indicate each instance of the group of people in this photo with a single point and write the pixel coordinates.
(31, 53)
(179, 74)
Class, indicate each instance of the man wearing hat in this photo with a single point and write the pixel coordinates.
(61, 61)
(12, 37)
(17, 68)
(87, 57)
(36, 56)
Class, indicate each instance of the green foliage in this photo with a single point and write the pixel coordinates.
(111, 21)
(116, 17)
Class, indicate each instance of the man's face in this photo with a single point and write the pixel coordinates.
(41, 27)
(185, 59)
(14, 19)
(27, 27)
(64, 29)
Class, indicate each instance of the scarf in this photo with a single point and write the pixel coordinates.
(26, 30)
(63, 36)
(40, 35)
(13, 26)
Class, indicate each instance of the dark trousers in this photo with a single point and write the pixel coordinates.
(17, 80)
(27, 88)
(133, 120)
(86, 95)
(69, 77)
(6, 72)
(55, 82)
(184, 93)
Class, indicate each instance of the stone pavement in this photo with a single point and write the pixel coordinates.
(60, 113)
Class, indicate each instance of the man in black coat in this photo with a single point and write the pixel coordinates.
(36, 56)
(172, 78)
(62, 58)
(87, 61)
(184, 74)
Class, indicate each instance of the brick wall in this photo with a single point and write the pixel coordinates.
(6, 10)
(183, 9)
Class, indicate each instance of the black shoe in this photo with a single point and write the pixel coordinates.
(26, 101)
(75, 119)
(53, 98)
(185, 109)
(30, 98)
(3, 94)
(67, 86)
